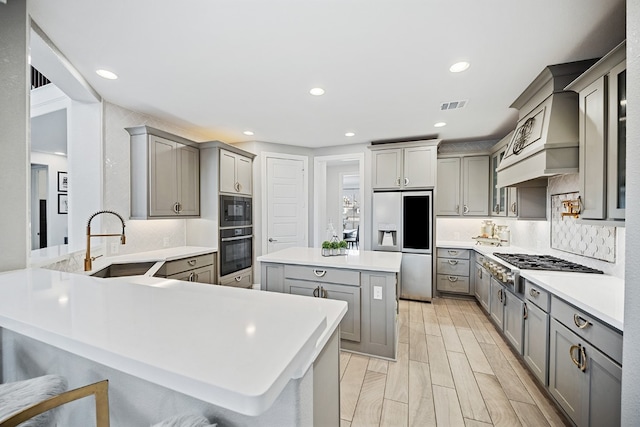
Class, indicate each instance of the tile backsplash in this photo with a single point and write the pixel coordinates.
(567, 234)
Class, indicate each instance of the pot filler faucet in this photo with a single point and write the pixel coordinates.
(87, 258)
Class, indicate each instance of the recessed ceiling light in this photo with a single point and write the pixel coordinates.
(106, 74)
(349, 134)
(317, 91)
(439, 124)
(248, 132)
(459, 67)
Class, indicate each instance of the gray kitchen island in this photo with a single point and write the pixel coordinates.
(366, 280)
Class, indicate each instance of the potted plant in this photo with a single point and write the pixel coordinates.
(326, 248)
(335, 248)
(343, 247)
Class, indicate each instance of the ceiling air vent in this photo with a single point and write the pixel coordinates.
(453, 105)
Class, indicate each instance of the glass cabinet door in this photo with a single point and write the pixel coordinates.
(617, 141)
(498, 195)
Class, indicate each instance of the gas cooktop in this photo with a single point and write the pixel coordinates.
(544, 262)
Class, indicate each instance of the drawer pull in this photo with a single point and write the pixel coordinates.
(319, 273)
(239, 278)
(580, 322)
(316, 292)
(323, 292)
(480, 273)
(192, 262)
(192, 277)
(452, 278)
(453, 262)
(534, 293)
(453, 252)
(526, 311)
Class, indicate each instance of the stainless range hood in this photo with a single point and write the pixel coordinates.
(545, 141)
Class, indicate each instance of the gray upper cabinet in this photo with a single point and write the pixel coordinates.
(463, 186)
(235, 173)
(411, 166)
(165, 175)
(602, 129)
(448, 187)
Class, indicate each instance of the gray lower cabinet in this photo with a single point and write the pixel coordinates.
(584, 382)
(513, 325)
(199, 268)
(370, 323)
(482, 283)
(240, 279)
(536, 343)
(536, 331)
(452, 268)
(350, 325)
(496, 303)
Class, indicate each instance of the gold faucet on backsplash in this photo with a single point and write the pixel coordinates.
(87, 258)
(572, 208)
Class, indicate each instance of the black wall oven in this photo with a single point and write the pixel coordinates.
(235, 211)
(236, 249)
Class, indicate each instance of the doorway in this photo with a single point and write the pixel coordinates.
(339, 199)
(39, 199)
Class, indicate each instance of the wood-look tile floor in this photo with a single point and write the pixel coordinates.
(453, 369)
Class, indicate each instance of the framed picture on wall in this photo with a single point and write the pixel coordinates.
(63, 182)
(63, 203)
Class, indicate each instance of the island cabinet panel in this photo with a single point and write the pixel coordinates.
(272, 277)
(350, 324)
(369, 325)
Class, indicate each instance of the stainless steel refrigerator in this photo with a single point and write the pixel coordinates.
(403, 222)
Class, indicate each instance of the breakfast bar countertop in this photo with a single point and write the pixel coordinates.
(204, 347)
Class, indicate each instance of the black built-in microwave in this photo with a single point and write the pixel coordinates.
(235, 211)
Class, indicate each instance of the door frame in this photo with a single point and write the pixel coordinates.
(320, 192)
(263, 193)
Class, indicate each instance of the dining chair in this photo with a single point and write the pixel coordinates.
(29, 403)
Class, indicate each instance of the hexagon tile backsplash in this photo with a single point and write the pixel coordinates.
(594, 241)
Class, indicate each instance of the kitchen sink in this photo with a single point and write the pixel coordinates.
(125, 269)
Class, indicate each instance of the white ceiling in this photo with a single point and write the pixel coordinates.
(226, 66)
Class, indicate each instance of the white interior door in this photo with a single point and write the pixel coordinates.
(286, 204)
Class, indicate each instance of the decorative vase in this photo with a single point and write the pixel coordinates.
(326, 252)
(343, 251)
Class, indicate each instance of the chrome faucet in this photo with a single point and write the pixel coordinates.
(87, 258)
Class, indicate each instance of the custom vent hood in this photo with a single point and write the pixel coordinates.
(545, 141)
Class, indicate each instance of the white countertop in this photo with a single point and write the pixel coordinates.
(356, 260)
(600, 295)
(200, 340)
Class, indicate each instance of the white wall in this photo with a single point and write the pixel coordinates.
(631, 355)
(14, 128)
(57, 228)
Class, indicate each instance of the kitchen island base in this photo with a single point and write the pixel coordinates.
(312, 399)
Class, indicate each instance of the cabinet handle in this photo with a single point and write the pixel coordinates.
(496, 208)
(479, 273)
(453, 261)
(452, 252)
(236, 185)
(191, 262)
(196, 279)
(191, 276)
(323, 292)
(175, 207)
(179, 207)
(453, 278)
(580, 322)
(534, 292)
(398, 181)
(406, 181)
(458, 208)
(500, 295)
(238, 278)
(513, 207)
(316, 291)
(319, 273)
(582, 356)
(525, 313)
(465, 209)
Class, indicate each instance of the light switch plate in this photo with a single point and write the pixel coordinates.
(377, 292)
